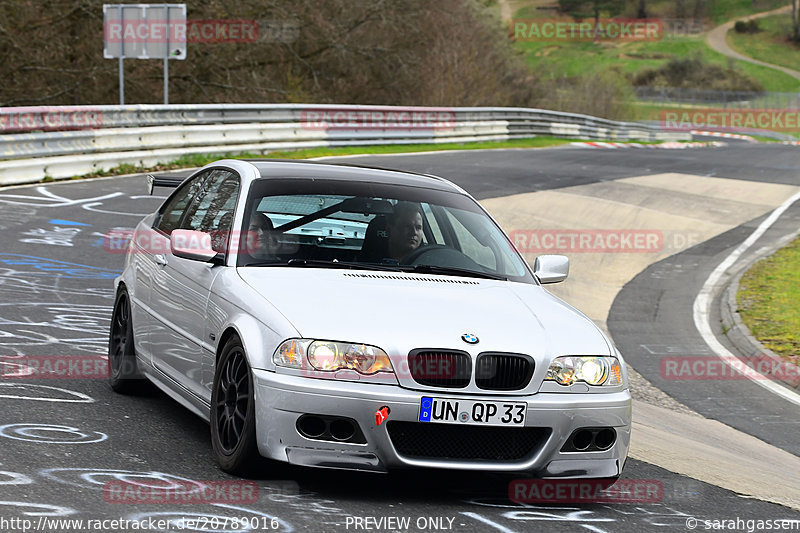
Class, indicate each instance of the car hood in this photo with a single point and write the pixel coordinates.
(399, 312)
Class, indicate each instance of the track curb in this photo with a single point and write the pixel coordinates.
(738, 333)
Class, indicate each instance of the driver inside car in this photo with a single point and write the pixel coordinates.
(261, 242)
(405, 229)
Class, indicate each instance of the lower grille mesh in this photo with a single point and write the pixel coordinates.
(454, 441)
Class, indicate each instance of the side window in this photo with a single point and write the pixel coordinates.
(172, 212)
(213, 211)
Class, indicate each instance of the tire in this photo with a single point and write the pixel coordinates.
(233, 425)
(123, 372)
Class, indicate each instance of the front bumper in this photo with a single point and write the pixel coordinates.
(281, 399)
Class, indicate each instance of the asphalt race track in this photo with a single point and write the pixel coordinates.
(63, 440)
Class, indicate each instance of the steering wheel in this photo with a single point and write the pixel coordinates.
(441, 256)
(412, 258)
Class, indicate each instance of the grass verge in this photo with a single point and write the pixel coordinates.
(568, 59)
(767, 301)
(771, 44)
(724, 10)
(718, 11)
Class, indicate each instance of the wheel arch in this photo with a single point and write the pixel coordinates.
(258, 340)
(227, 335)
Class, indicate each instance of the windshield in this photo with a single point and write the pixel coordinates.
(305, 222)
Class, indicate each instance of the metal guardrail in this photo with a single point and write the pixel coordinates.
(62, 142)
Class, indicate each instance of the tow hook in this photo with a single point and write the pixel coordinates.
(381, 415)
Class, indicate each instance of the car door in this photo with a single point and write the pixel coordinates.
(181, 287)
(150, 241)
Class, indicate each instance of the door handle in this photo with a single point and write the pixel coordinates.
(160, 260)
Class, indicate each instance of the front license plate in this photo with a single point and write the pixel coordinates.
(479, 413)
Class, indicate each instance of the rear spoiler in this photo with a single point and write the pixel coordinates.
(154, 181)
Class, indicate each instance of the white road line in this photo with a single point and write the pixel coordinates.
(702, 306)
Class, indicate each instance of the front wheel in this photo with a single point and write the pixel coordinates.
(233, 427)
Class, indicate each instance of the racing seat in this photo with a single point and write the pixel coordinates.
(376, 240)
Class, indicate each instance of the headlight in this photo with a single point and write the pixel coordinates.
(591, 370)
(324, 355)
(329, 356)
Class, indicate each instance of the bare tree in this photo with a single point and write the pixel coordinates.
(447, 52)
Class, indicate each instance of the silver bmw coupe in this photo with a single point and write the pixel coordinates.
(349, 317)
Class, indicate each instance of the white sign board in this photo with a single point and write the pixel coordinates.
(144, 31)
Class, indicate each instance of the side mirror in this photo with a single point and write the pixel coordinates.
(551, 268)
(191, 244)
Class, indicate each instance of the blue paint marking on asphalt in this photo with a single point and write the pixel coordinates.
(49, 267)
(59, 222)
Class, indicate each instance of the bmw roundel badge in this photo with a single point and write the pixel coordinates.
(469, 338)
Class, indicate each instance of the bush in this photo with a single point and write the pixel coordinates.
(746, 26)
(696, 73)
(607, 94)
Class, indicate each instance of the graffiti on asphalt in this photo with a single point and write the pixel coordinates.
(47, 198)
(50, 434)
(14, 478)
(38, 509)
(80, 328)
(42, 266)
(592, 518)
(42, 393)
(55, 236)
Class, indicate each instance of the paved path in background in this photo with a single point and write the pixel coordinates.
(715, 37)
(716, 40)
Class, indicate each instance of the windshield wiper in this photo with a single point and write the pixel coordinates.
(422, 269)
(434, 269)
(327, 264)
